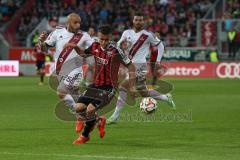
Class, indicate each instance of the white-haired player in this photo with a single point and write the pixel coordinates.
(68, 64)
(136, 43)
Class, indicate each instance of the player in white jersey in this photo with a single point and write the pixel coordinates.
(68, 64)
(136, 43)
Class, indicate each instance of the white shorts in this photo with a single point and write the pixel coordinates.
(70, 76)
(70, 83)
(141, 72)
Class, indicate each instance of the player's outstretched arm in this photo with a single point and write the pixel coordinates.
(79, 51)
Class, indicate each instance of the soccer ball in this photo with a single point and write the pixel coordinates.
(148, 105)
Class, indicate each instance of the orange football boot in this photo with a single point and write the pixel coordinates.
(101, 122)
(81, 140)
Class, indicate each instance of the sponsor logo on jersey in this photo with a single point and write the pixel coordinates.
(101, 61)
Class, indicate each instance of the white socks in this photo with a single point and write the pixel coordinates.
(68, 99)
(156, 95)
(120, 103)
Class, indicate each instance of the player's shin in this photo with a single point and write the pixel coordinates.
(156, 95)
(119, 105)
(91, 119)
(68, 99)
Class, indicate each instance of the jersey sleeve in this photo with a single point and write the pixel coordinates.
(90, 50)
(52, 38)
(123, 57)
(123, 37)
(88, 41)
(154, 40)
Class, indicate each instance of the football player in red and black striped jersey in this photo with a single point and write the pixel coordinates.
(108, 58)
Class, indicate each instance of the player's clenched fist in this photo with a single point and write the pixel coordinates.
(124, 44)
(42, 37)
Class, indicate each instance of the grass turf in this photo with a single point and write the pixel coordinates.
(30, 130)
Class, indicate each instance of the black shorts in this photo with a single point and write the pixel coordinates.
(99, 96)
(40, 65)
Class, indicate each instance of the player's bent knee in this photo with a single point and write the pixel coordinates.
(80, 107)
(61, 95)
(90, 108)
(91, 114)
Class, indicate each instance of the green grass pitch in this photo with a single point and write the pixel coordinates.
(29, 129)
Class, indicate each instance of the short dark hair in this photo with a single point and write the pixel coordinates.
(105, 29)
(138, 13)
(93, 27)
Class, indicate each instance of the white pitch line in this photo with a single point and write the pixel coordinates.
(80, 156)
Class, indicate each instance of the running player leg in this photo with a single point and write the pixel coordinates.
(143, 90)
(119, 105)
(95, 99)
(66, 88)
(90, 121)
(122, 98)
(41, 71)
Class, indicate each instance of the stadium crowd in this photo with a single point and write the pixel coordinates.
(174, 19)
(233, 9)
(7, 9)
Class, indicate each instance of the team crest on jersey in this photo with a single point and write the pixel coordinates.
(142, 39)
(76, 37)
(61, 59)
